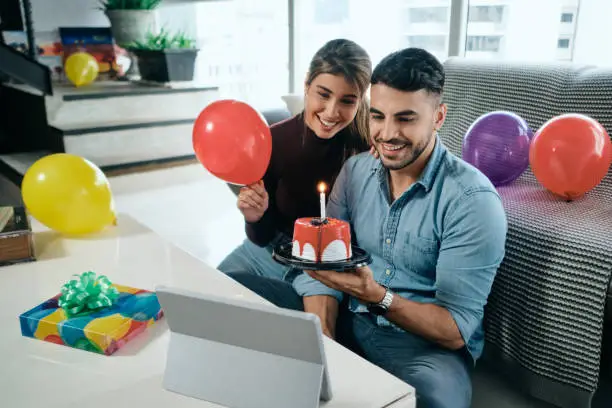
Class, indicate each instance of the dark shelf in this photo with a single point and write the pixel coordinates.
(22, 68)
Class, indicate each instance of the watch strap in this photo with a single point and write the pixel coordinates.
(386, 300)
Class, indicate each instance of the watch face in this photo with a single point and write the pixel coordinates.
(377, 310)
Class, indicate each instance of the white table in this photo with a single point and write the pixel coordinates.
(34, 373)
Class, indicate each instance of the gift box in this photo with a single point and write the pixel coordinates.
(86, 317)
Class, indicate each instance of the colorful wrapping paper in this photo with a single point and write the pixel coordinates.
(104, 330)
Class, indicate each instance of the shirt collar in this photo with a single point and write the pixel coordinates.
(430, 171)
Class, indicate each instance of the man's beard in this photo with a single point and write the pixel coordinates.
(416, 152)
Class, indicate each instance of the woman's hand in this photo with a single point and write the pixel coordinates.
(374, 152)
(253, 201)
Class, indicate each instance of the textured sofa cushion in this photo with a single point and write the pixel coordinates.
(294, 102)
(591, 93)
(546, 310)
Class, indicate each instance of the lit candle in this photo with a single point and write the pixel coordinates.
(322, 188)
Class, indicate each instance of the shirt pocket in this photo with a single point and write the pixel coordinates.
(420, 254)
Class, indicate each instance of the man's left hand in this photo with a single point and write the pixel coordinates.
(358, 283)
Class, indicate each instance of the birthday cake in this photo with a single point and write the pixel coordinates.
(320, 240)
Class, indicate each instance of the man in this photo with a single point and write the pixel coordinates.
(436, 229)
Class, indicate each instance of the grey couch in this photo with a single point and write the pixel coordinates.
(547, 310)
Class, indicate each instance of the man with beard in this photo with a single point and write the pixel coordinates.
(436, 229)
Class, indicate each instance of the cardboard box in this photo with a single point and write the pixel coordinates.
(16, 241)
(104, 331)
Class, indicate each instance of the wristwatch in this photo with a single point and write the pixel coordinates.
(383, 306)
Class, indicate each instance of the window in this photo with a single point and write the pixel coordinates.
(244, 49)
(331, 11)
(523, 30)
(586, 45)
(380, 27)
(427, 14)
(432, 43)
(486, 14)
(563, 43)
(483, 43)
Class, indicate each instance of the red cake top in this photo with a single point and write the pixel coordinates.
(311, 231)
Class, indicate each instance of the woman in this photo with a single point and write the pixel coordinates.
(309, 148)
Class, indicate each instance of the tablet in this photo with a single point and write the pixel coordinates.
(243, 354)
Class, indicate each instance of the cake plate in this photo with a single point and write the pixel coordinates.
(282, 254)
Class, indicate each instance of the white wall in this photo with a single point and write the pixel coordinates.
(179, 17)
(48, 15)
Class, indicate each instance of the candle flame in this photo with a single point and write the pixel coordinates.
(322, 187)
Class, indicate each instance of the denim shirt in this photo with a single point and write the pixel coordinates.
(440, 242)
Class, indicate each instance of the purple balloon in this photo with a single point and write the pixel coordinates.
(497, 144)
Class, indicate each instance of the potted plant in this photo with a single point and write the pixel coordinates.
(130, 19)
(165, 57)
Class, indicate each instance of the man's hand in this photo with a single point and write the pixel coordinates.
(428, 320)
(359, 283)
(253, 201)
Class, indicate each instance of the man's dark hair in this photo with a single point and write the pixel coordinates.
(410, 70)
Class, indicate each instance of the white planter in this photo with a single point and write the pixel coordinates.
(131, 25)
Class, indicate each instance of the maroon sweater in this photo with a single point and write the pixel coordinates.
(300, 160)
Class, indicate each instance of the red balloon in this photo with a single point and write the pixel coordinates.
(233, 141)
(570, 155)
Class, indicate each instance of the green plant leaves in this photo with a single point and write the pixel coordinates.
(164, 40)
(129, 4)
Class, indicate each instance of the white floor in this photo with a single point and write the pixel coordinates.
(197, 212)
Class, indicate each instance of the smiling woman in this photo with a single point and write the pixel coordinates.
(329, 110)
(307, 149)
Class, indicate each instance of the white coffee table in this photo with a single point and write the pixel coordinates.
(35, 373)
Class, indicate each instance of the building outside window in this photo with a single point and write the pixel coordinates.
(380, 27)
(331, 11)
(432, 43)
(244, 45)
(563, 43)
(427, 14)
(483, 43)
(486, 14)
(524, 30)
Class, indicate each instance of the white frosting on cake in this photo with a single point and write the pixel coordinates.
(335, 251)
(308, 253)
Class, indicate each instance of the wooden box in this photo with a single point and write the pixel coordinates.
(16, 241)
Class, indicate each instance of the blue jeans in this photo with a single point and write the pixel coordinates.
(253, 259)
(441, 377)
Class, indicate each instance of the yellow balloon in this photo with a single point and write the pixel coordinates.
(68, 194)
(81, 68)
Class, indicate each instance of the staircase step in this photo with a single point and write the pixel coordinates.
(14, 166)
(122, 102)
(120, 145)
(115, 89)
(106, 126)
(148, 165)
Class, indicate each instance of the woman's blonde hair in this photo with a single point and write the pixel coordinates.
(347, 58)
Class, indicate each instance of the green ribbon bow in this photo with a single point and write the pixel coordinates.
(85, 294)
